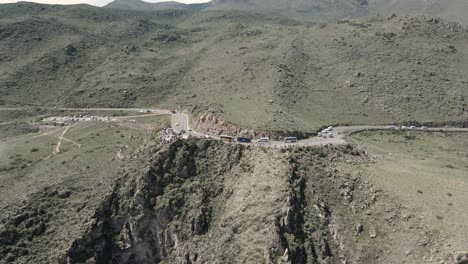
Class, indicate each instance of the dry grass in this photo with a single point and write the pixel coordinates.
(31, 172)
(428, 174)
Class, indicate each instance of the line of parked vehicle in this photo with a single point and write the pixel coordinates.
(407, 127)
(327, 132)
(260, 141)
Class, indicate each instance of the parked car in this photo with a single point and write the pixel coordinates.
(263, 140)
(244, 140)
(290, 140)
(226, 138)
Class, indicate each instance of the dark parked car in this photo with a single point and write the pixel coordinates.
(244, 140)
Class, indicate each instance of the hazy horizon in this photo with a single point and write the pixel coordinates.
(93, 2)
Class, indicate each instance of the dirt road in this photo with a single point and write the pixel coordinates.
(181, 122)
(142, 110)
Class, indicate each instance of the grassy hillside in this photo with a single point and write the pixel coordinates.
(326, 10)
(427, 172)
(250, 68)
(318, 10)
(454, 10)
(47, 198)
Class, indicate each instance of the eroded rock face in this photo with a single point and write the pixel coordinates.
(185, 207)
(209, 123)
(145, 219)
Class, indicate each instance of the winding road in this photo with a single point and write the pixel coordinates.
(181, 122)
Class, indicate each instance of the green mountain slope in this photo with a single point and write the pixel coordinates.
(317, 10)
(253, 69)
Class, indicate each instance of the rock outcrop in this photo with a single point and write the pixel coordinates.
(209, 123)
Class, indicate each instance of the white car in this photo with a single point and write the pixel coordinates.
(424, 128)
(189, 129)
(413, 127)
(392, 127)
(263, 140)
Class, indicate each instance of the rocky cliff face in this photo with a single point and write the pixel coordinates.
(147, 219)
(209, 123)
(203, 201)
(207, 202)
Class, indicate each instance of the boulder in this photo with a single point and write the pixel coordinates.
(359, 228)
(64, 194)
(70, 50)
(462, 258)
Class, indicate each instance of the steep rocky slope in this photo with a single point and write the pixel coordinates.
(209, 202)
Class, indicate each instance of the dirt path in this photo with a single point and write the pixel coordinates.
(152, 110)
(57, 148)
(136, 116)
(71, 141)
(33, 137)
(181, 122)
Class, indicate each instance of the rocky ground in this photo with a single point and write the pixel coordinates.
(204, 201)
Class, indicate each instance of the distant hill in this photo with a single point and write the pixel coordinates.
(145, 6)
(315, 10)
(286, 5)
(318, 10)
(251, 68)
(454, 10)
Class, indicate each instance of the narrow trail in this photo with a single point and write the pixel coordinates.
(59, 143)
(73, 142)
(33, 137)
